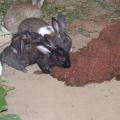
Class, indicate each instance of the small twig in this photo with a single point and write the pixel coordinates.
(5, 31)
(4, 34)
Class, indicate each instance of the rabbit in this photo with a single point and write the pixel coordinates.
(29, 48)
(9, 57)
(57, 30)
(35, 25)
(20, 10)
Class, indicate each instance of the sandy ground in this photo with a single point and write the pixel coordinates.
(41, 97)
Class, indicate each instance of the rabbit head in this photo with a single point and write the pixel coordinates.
(61, 38)
(9, 56)
(58, 55)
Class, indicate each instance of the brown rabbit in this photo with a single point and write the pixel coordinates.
(20, 10)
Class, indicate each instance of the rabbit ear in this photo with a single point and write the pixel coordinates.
(38, 2)
(22, 46)
(43, 49)
(56, 25)
(62, 22)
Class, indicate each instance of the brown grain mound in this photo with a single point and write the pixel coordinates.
(97, 62)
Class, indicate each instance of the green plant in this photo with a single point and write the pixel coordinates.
(4, 89)
(3, 103)
(9, 117)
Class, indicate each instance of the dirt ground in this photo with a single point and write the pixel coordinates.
(41, 97)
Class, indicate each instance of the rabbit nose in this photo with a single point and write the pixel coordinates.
(67, 64)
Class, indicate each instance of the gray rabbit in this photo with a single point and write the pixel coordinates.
(29, 48)
(57, 30)
(9, 56)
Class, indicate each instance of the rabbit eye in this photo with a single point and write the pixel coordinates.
(61, 58)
